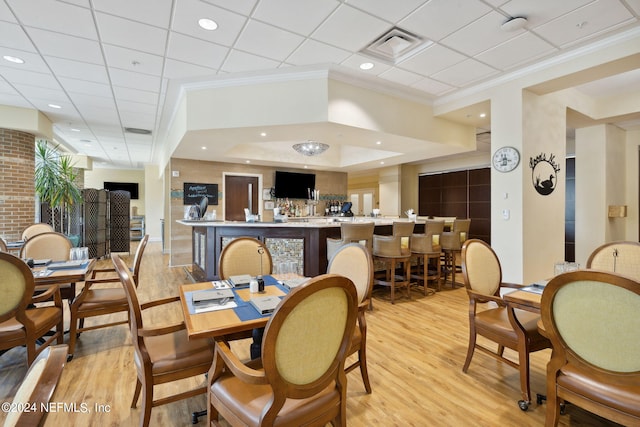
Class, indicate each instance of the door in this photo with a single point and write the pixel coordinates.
(363, 202)
(236, 196)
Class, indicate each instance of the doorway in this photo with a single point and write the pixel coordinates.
(240, 192)
(363, 201)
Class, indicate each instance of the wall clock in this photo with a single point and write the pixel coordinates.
(506, 159)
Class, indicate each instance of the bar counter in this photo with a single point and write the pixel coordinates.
(301, 240)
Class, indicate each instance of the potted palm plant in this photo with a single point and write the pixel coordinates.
(55, 184)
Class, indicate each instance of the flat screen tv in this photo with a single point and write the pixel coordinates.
(131, 187)
(294, 185)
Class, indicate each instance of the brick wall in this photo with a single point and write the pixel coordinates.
(17, 190)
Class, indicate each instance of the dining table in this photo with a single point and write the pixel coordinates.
(63, 274)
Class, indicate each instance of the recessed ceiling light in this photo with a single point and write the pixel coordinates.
(74, 130)
(207, 24)
(306, 167)
(13, 59)
(378, 142)
(263, 134)
(247, 161)
(483, 115)
(382, 163)
(54, 106)
(204, 148)
(366, 66)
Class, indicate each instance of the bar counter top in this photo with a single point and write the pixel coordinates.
(300, 222)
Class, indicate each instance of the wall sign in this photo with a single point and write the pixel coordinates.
(544, 173)
(193, 193)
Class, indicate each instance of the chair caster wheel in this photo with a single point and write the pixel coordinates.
(540, 398)
(563, 408)
(523, 404)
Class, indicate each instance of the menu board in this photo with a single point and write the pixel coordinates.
(193, 192)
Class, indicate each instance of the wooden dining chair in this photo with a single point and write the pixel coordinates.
(162, 354)
(619, 257)
(425, 247)
(244, 255)
(22, 323)
(300, 379)
(52, 246)
(96, 300)
(354, 262)
(35, 229)
(483, 280)
(451, 243)
(592, 320)
(3, 245)
(352, 232)
(37, 388)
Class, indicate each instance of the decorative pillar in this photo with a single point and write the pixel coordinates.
(17, 188)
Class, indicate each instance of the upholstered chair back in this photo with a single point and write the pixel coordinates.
(481, 267)
(50, 245)
(16, 286)
(3, 245)
(429, 241)
(354, 262)
(357, 232)
(244, 255)
(618, 257)
(35, 229)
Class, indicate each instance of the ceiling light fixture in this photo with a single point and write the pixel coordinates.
(13, 59)
(366, 66)
(311, 148)
(55, 106)
(514, 24)
(207, 24)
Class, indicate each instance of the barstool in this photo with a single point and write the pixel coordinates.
(351, 232)
(394, 250)
(426, 248)
(451, 242)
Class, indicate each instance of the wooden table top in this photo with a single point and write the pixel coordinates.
(67, 275)
(524, 300)
(220, 322)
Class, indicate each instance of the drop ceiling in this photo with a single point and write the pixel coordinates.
(108, 64)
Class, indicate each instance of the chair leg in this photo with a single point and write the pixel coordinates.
(362, 355)
(136, 393)
(470, 349)
(73, 332)
(147, 403)
(393, 280)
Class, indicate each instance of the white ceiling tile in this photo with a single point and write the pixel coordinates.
(136, 107)
(439, 18)
(180, 70)
(137, 120)
(46, 95)
(30, 78)
(12, 35)
(238, 61)
(32, 61)
(431, 60)
(266, 40)
(134, 80)
(135, 95)
(79, 70)
(524, 48)
(314, 52)
(153, 12)
(350, 28)
(398, 75)
(14, 100)
(6, 14)
(391, 11)
(133, 60)
(55, 16)
(130, 34)
(432, 87)
(466, 40)
(585, 22)
(635, 5)
(64, 46)
(85, 87)
(139, 140)
(83, 100)
(83, 3)
(7, 89)
(195, 51)
(188, 12)
(464, 72)
(301, 17)
(241, 6)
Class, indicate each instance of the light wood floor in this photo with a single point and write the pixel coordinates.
(416, 349)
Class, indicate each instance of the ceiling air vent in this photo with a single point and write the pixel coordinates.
(395, 46)
(138, 131)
